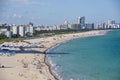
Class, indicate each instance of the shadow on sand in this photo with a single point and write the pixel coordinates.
(12, 52)
(28, 51)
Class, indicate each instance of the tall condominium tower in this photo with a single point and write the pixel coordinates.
(31, 29)
(15, 29)
(111, 21)
(81, 20)
(22, 31)
(78, 20)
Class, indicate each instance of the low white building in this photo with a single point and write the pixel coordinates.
(3, 29)
(8, 34)
(75, 26)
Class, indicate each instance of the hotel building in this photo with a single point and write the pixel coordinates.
(22, 31)
(15, 29)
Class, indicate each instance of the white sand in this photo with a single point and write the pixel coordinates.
(35, 67)
(32, 66)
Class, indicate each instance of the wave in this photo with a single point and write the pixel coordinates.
(53, 67)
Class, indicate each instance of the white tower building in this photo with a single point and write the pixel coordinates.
(81, 20)
(78, 20)
(22, 31)
(31, 30)
(15, 29)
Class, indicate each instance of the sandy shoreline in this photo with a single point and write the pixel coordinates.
(31, 64)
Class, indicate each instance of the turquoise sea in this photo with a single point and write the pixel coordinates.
(91, 58)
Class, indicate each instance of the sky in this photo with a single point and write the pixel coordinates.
(50, 12)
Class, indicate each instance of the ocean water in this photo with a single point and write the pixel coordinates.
(92, 58)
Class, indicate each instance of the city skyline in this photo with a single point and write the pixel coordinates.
(56, 12)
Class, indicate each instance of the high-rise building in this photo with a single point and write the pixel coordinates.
(75, 26)
(78, 20)
(22, 31)
(111, 21)
(102, 25)
(81, 20)
(15, 29)
(89, 26)
(66, 23)
(31, 29)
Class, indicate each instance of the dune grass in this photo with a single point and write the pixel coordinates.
(10, 39)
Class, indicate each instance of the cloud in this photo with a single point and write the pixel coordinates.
(21, 1)
(16, 16)
(37, 3)
(26, 2)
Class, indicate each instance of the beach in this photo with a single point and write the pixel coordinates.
(29, 63)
